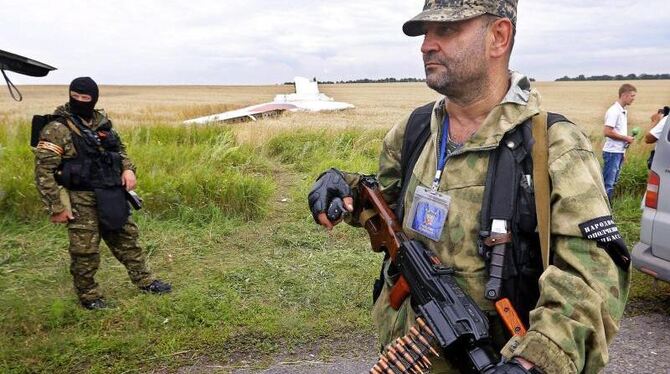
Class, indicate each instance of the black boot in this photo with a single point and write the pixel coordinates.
(94, 304)
(157, 287)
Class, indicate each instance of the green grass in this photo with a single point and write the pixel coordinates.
(295, 285)
(252, 274)
(228, 226)
(633, 178)
(197, 173)
(315, 151)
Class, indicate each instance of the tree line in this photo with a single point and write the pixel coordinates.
(618, 77)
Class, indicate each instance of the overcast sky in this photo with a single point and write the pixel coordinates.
(266, 42)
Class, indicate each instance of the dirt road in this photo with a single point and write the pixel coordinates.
(642, 346)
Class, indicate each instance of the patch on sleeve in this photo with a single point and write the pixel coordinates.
(603, 230)
(51, 147)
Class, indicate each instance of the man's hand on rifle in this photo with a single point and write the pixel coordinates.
(329, 197)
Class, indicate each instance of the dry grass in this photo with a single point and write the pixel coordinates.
(377, 105)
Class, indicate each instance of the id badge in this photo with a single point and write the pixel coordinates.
(429, 212)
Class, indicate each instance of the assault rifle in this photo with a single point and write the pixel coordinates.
(446, 315)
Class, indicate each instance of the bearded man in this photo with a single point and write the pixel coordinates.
(571, 307)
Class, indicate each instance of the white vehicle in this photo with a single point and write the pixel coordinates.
(652, 254)
(306, 98)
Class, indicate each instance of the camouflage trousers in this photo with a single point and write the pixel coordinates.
(392, 324)
(85, 235)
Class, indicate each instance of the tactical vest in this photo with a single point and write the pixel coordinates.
(97, 167)
(98, 160)
(511, 200)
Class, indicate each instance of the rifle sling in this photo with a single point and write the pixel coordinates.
(540, 155)
(73, 127)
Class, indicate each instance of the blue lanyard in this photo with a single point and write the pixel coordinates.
(442, 157)
(443, 144)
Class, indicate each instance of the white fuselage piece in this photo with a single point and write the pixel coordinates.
(306, 98)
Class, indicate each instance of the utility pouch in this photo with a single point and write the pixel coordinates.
(75, 175)
(38, 123)
(106, 172)
(113, 210)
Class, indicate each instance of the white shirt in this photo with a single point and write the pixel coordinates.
(657, 130)
(616, 118)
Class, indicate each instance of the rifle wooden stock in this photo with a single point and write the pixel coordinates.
(383, 227)
(399, 293)
(385, 234)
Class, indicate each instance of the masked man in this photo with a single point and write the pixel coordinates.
(82, 174)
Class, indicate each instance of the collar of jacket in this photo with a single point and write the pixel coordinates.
(519, 104)
(99, 115)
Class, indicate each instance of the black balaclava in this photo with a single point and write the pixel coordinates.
(84, 86)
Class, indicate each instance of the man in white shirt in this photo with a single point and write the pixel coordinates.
(658, 122)
(616, 137)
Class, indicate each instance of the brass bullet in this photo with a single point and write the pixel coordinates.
(425, 326)
(411, 348)
(376, 370)
(425, 342)
(419, 338)
(386, 368)
(414, 346)
(410, 360)
(398, 353)
(384, 363)
(409, 342)
(396, 361)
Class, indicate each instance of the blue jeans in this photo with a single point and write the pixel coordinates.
(611, 171)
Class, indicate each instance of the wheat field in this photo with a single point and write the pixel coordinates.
(377, 105)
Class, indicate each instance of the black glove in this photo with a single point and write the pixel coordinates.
(329, 188)
(335, 209)
(513, 367)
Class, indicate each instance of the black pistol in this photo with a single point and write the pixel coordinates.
(134, 200)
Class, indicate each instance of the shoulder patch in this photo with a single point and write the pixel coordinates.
(604, 232)
(601, 229)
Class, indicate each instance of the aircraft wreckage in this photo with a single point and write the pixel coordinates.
(306, 98)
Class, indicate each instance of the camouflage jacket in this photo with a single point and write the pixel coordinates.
(59, 146)
(583, 293)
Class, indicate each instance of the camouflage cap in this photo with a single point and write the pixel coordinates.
(459, 10)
